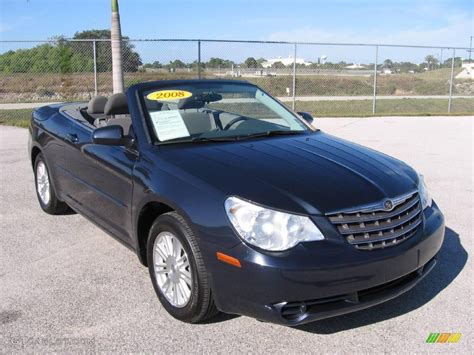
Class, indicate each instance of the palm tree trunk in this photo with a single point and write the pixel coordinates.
(116, 38)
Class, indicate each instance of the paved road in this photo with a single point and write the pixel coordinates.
(20, 105)
(17, 106)
(65, 285)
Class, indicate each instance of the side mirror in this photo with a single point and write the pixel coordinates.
(111, 135)
(306, 116)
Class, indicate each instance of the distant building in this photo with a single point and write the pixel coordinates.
(467, 71)
(286, 61)
(355, 66)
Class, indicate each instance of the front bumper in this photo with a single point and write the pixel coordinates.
(322, 279)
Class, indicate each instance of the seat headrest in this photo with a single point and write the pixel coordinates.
(190, 103)
(116, 105)
(96, 105)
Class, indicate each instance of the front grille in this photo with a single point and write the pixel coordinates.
(370, 228)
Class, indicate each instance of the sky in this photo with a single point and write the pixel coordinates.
(415, 22)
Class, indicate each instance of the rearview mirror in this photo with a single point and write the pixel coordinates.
(111, 135)
(306, 116)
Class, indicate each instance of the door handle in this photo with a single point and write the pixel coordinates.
(72, 137)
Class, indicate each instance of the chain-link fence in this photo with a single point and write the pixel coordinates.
(326, 79)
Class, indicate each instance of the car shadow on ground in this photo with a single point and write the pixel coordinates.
(451, 260)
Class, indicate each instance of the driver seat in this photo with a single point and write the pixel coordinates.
(117, 112)
(196, 121)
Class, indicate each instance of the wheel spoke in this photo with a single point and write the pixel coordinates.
(161, 253)
(184, 265)
(164, 247)
(181, 291)
(175, 293)
(169, 245)
(182, 259)
(167, 285)
(186, 277)
(176, 247)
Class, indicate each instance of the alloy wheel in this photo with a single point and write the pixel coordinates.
(42, 183)
(172, 269)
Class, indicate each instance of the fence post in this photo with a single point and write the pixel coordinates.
(374, 100)
(94, 46)
(199, 59)
(451, 81)
(293, 106)
(470, 49)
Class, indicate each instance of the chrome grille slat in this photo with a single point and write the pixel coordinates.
(391, 236)
(382, 226)
(377, 229)
(372, 246)
(375, 215)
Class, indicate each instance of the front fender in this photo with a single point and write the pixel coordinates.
(201, 205)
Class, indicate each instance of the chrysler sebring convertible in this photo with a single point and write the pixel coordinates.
(236, 203)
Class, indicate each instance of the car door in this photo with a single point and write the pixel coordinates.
(100, 183)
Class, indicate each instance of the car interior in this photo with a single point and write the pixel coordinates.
(101, 112)
(201, 114)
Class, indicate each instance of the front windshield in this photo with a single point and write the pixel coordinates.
(213, 111)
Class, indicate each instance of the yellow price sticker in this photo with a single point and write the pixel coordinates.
(165, 95)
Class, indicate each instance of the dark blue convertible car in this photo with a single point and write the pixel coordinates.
(235, 203)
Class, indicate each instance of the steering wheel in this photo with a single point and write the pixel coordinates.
(234, 121)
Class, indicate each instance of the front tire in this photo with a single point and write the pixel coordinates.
(44, 189)
(177, 270)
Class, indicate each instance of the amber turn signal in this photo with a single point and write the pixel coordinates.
(228, 259)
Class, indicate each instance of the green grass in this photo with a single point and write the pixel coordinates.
(17, 118)
(402, 107)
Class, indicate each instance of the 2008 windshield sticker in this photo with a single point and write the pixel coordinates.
(165, 95)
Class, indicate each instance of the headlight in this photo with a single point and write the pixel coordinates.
(269, 229)
(425, 196)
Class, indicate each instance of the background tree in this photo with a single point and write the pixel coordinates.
(194, 65)
(457, 62)
(431, 61)
(406, 67)
(177, 64)
(219, 63)
(278, 65)
(251, 62)
(155, 65)
(63, 56)
(131, 59)
(260, 61)
(387, 63)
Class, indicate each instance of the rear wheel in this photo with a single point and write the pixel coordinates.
(177, 270)
(44, 189)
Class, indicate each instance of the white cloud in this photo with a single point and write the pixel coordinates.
(455, 33)
(4, 27)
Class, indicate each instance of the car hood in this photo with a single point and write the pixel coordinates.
(316, 173)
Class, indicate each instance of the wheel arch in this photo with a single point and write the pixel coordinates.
(34, 153)
(149, 212)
